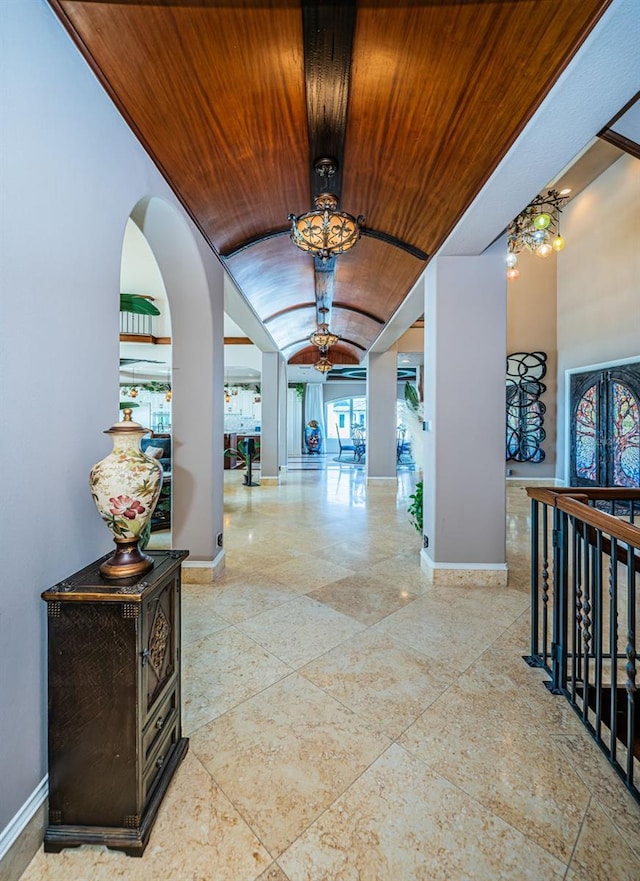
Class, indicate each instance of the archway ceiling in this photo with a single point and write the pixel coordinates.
(233, 101)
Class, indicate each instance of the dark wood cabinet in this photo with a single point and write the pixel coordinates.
(115, 737)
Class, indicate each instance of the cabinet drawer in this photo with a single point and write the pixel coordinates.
(159, 758)
(164, 718)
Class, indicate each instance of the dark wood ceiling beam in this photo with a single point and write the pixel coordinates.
(324, 281)
(346, 306)
(328, 31)
(397, 243)
(255, 240)
(366, 231)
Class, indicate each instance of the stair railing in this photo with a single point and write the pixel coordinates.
(585, 595)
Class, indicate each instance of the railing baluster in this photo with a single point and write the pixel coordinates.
(586, 623)
(630, 652)
(534, 657)
(545, 586)
(596, 559)
(576, 655)
(613, 646)
(577, 568)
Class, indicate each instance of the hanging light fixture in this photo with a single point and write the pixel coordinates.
(133, 391)
(323, 365)
(169, 393)
(325, 231)
(323, 338)
(536, 229)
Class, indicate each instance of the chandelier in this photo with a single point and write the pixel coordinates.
(323, 365)
(536, 229)
(325, 231)
(323, 338)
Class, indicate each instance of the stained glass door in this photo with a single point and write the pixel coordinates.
(605, 427)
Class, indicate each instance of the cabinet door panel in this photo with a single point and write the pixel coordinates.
(160, 639)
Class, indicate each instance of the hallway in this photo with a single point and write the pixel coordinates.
(348, 722)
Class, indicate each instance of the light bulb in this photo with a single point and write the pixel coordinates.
(544, 250)
(539, 236)
(542, 221)
(513, 273)
(511, 259)
(558, 243)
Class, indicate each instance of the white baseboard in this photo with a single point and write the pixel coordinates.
(14, 828)
(203, 571)
(535, 481)
(476, 574)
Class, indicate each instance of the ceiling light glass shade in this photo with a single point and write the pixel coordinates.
(542, 221)
(558, 243)
(513, 273)
(511, 259)
(323, 338)
(325, 231)
(544, 250)
(323, 365)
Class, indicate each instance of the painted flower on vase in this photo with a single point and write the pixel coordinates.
(127, 507)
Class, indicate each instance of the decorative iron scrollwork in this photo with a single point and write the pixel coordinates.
(525, 411)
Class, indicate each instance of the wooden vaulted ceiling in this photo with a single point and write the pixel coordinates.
(418, 101)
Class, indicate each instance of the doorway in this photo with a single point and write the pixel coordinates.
(605, 427)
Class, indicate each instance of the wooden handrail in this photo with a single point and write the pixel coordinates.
(612, 526)
(573, 500)
(602, 493)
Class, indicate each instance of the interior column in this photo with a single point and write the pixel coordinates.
(271, 418)
(382, 391)
(464, 474)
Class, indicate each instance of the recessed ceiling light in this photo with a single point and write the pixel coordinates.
(565, 191)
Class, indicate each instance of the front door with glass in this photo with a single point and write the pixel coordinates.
(605, 427)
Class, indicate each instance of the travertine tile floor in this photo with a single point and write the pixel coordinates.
(348, 722)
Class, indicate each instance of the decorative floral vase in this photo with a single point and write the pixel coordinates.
(125, 486)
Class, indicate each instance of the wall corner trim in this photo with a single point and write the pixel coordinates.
(18, 823)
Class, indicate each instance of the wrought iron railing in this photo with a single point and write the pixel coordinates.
(585, 595)
(131, 322)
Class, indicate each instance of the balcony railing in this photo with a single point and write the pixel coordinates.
(130, 322)
(585, 595)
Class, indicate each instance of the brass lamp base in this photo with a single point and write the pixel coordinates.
(126, 561)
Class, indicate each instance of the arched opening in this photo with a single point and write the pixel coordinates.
(186, 361)
(145, 364)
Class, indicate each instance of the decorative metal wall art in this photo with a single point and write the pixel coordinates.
(525, 410)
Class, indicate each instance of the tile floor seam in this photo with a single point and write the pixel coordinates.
(575, 844)
(317, 657)
(193, 731)
(236, 807)
(484, 807)
(337, 798)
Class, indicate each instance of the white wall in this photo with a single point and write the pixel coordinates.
(531, 327)
(72, 172)
(599, 278)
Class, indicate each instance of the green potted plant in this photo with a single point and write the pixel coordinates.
(415, 507)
